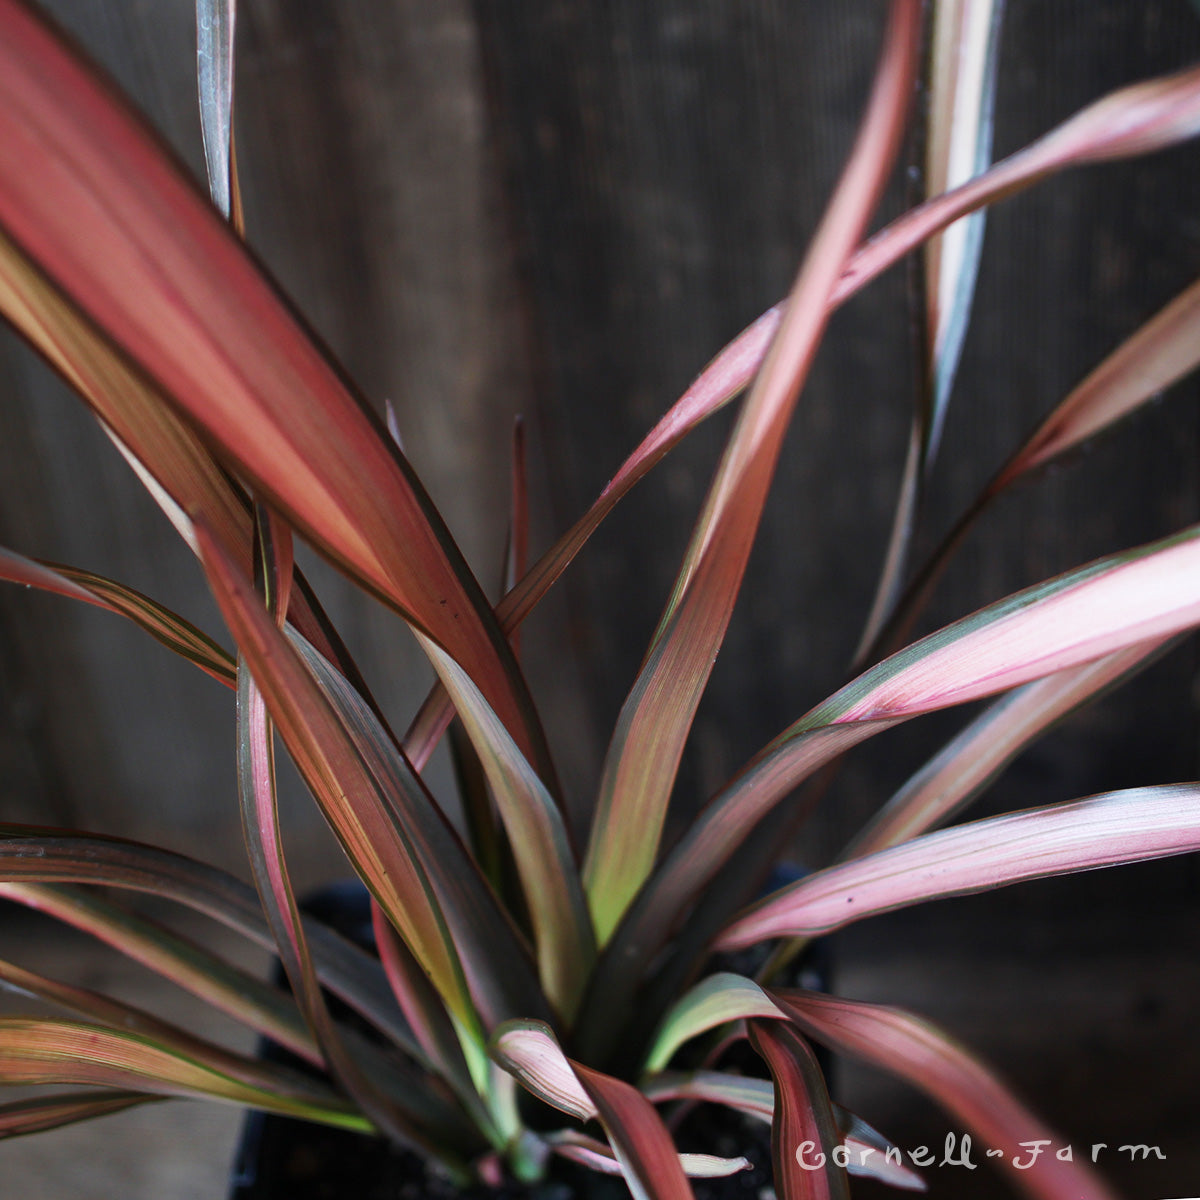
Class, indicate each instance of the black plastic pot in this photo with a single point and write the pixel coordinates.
(281, 1158)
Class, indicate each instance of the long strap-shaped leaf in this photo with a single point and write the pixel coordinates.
(640, 1141)
(1165, 111)
(566, 947)
(124, 1017)
(261, 1007)
(167, 456)
(90, 196)
(215, 24)
(260, 818)
(969, 762)
(52, 856)
(1101, 831)
(398, 840)
(804, 1133)
(966, 36)
(42, 1051)
(638, 1137)
(1158, 354)
(1147, 593)
(867, 1150)
(958, 136)
(644, 753)
(715, 1001)
(53, 1112)
(906, 1046)
(172, 630)
(598, 1156)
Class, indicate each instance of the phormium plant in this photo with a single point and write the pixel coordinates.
(534, 1000)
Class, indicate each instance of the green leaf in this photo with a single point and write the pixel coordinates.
(715, 1001)
(45, 1052)
(804, 1134)
(647, 744)
(920, 1054)
(566, 946)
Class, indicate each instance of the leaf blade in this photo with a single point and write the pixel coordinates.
(803, 1118)
(136, 248)
(917, 1052)
(645, 749)
(1106, 830)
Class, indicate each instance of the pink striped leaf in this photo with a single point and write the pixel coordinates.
(104, 1011)
(34, 855)
(1132, 121)
(1162, 351)
(745, 1093)
(171, 462)
(260, 821)
(562, 926)
(126, 236)
(1140, 595)
(1149, 592)
(640, 1143)
(598, 1156)
(53, 1112)
(530, 1052)
(969, 763)
(713, 1002)
(917, 1052)
(437, 1044)
(804, 1134)
(261, 1007)
(1081, 835)
(172, 630)
(723, 379)
(399, 841)
(50, 1052)
(1155, 104)
(646, 746)
(1157, 355)
(639, 1139)
(866, 1149)
(958, 137)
